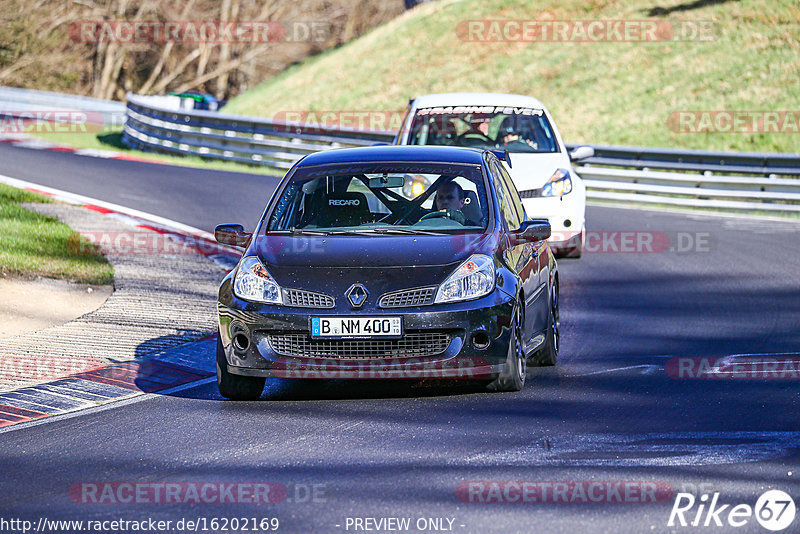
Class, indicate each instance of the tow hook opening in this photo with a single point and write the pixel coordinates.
(480, 340)
(239, 338)
(241, 342)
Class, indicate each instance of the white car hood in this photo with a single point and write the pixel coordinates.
(531, 171)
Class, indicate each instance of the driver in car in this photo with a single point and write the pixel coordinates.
(509, 138)
(450, 200)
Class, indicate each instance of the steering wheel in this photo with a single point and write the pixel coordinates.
(452, 214)
(434, 215)
(473, 138)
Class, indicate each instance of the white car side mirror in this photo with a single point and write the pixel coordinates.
(582, 152)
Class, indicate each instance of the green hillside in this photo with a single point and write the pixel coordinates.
(748, 59)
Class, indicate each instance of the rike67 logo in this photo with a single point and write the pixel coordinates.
(774, 510)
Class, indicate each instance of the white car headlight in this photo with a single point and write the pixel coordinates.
(473, 279)
(558, 185)
(254, 283)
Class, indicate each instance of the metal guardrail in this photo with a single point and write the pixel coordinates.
(749, 181)
(697, 160)
(697, 190)
(19, 102)
(252, 140)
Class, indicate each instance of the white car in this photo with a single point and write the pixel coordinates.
(540, 166)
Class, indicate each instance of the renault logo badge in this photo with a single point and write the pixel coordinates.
(357, 295)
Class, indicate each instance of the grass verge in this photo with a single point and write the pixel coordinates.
(33, 245)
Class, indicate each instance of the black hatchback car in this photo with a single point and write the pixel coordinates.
(389, 262)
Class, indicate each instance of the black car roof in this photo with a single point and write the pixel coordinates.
(436, 154)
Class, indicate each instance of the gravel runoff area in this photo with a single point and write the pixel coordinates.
(159, 301)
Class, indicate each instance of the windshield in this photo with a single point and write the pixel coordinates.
(389, 198)
(487, 127)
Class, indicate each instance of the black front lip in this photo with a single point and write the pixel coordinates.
(490, 314)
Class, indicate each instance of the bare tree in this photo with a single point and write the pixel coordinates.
(39, 47)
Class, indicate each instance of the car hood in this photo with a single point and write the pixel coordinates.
(382, 263)
(379, 251)
(531, 171)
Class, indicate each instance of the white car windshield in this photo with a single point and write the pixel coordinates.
(488, 127)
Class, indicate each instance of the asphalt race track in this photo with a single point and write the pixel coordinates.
(195, 197)
(616, 410)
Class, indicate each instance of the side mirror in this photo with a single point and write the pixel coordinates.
(531, 231)
(582, 152)
(232, 234)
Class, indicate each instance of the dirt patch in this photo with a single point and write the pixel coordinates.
(30, 305)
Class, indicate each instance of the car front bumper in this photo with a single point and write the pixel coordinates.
(566, 215)
(485, 319)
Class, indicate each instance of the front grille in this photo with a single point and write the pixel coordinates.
(530, 193)
(307, 299)
(408, 297)
(411, 345)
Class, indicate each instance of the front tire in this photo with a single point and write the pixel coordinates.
(573, 247)
(577, 250)
(512, 378)
(236, 387)
(547, 356)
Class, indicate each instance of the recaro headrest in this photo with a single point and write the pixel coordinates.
(472, 210)
(343, 209)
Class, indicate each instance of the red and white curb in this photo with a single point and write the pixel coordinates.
(183, 367)
(34, 143)
(179, 368)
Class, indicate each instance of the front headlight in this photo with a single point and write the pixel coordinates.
(473, 279)
(254, 283)
(559, 184)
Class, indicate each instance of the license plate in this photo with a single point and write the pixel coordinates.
(356, 327)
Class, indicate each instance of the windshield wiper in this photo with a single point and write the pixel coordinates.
(300, 231)
(366, 231)
(362, 231)
(403, 231)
